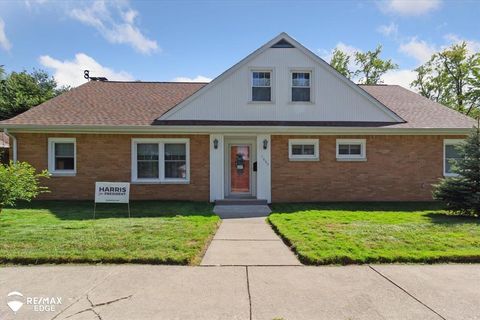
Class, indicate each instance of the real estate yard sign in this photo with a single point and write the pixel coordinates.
(112, 192)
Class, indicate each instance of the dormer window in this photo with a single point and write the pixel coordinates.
(261, 86)
(301, 86)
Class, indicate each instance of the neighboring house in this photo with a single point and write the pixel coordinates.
(280, 125)
(4, 147)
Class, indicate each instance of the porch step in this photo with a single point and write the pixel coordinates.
(241, 202)
(241, 211)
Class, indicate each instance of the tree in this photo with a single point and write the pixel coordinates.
(451, 77)
(370, 67)
(340, 61)
(19, 91)
(461, 194)
(19, 181)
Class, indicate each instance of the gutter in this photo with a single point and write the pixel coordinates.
(13, 144)
(206, 129)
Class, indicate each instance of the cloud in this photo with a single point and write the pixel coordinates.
(418, 49)
(401, 77)
(70, 72)
(4, 42)
(116, 22)
(348, 49)
(410, 7)
(198, 78)
(388, 30)
(473, 46)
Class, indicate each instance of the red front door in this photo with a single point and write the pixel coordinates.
(240, 157)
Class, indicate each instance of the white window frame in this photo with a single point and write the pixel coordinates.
(292, 71)
(450, 142)
(352, 157)
(297, 157)
(161, 160)
(51, 157)
(272, 81)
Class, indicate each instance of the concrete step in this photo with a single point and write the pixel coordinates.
(241, 211)
(238, 202)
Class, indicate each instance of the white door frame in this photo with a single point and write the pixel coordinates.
(218, 164)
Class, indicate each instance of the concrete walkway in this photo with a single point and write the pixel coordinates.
(247, 241)
(128, 292)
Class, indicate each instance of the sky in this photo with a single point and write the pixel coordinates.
(198, 40)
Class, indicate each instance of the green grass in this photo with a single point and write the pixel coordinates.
(65, 232)
(346, 233)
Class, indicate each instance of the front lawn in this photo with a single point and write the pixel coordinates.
(65, 232)
(343, 233)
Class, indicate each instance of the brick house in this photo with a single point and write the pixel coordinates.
(280, 125)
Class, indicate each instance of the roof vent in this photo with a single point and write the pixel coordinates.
(282, 44)
(86, 75)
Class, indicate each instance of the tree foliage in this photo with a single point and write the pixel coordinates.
(19, 181)
(461, 194)
(19, 91)
(369, 66)
(452, 78)
(340, 61)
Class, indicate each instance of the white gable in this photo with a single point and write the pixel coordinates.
(334, 98)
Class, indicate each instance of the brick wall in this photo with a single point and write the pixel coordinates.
(398, 168)
(106, 157)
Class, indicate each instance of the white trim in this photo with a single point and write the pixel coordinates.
(51, 157)
(161, 161)
(205, 129)
(352, 157)
(296, 157)
(264, 168)
(216, 168)
(296, 44)
(445, 143)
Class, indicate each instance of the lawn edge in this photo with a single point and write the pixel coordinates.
(199, 257)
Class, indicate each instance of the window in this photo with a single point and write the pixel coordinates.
(303, 149)
(62, 156)
(160, 160)
(450, 156)
(261, 86)
(351, 149)
(301, 86)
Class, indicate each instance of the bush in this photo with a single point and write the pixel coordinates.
(19, 181)
(461, 194)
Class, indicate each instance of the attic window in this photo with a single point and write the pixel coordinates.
(282, 44)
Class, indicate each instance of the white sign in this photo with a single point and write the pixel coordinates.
(112, 192)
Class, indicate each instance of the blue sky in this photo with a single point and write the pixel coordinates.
(197, 40)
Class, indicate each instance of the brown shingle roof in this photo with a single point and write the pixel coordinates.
(140, 103)
(416, 110)
(109, 103)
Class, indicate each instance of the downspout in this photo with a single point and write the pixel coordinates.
(13, 144)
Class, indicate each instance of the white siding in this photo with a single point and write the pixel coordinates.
(216, 168)
(264, 169)
(333, 99)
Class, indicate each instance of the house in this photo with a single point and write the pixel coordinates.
(280, 125)
(4, 147)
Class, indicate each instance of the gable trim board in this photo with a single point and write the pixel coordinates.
(283, 36)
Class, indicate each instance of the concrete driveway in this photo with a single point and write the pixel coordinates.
(242, 292)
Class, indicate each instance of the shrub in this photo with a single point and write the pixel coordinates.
(19, 181)
(461, 194)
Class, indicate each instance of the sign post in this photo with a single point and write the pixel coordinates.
(112, 192)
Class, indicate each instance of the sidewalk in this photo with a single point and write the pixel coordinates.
(126, 292)
(248, 242)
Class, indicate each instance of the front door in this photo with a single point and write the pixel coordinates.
(240, 167)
